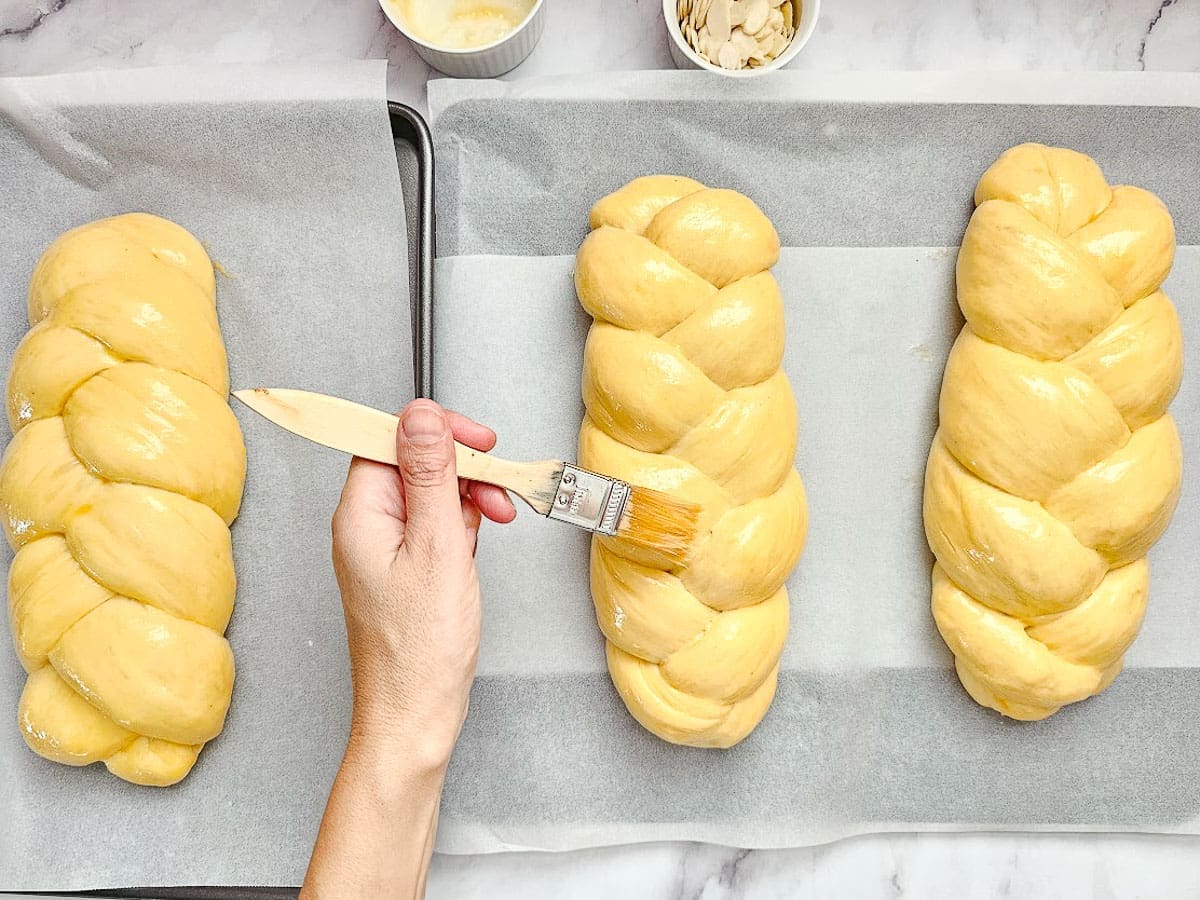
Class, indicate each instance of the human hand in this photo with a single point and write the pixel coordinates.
(404, 555)
(403, 552)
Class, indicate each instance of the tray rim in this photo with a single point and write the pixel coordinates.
(410, 126)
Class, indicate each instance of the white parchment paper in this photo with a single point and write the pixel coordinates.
(289, 177)
(869, 180)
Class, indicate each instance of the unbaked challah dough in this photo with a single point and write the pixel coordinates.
(1055, 465)
(125, 469)
(684, 394)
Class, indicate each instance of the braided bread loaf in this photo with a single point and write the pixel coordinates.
(124, 472)
(684, 394)
(1056, 465)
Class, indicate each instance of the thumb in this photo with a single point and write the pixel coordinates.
(425, 452)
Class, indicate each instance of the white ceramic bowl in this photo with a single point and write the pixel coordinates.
(687, 58)
(486, 61)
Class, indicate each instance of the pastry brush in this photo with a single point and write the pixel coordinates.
(556, 489)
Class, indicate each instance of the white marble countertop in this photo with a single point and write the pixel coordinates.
(43, 36)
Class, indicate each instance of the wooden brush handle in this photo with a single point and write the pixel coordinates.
(478, 466)
(534, 482)
(371, 434)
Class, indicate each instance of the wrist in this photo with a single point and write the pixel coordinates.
(401, 742)
(398, 717)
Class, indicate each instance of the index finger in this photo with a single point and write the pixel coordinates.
(492, 501)
(469, 432)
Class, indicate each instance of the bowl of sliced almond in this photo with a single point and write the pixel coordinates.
(740, 38)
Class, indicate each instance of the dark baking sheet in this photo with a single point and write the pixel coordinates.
(414, 157)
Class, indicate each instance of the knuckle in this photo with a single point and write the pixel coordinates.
(340, 519)
(426, 469)
(341, 534)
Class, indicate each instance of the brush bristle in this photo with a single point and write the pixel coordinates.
(660, 522)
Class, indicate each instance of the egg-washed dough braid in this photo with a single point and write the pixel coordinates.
(684, 394)
(1056, 465)
(124, 472)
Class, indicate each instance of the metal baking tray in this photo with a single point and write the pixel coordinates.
(414, 156)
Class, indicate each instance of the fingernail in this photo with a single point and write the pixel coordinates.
(423, 425)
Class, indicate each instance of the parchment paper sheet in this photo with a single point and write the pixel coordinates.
(288, 176)
(870, 729)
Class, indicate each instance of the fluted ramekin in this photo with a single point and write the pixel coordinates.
(487, 61)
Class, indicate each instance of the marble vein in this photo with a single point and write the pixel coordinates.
(1162, 8)
(39, 16)
(728, 875)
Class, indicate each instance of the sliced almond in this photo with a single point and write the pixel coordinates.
(756, 14)
(737, 12)
(780, 44)
(745, 44)
(728, 57)
(785, 10)
(718, 20)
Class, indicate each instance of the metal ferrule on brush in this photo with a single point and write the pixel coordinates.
(591, 501)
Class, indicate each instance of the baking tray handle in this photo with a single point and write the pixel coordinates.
(409, 126)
